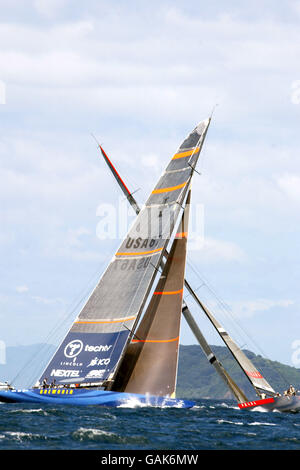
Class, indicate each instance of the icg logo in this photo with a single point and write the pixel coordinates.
(73, 348)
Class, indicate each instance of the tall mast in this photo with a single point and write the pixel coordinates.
(237, 392)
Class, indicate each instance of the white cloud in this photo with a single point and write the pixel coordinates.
(44, 300)
(73, 244)
(49, 8)
(290, 185)
(150, 161)
(169, 74)
(249, 308)
(212, 250)
(75, 236)
(296, 6)
(22, 289)
(295, 92)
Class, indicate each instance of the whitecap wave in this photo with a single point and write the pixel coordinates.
(135, 402)
(22, 436)
(94, 434)
(222, 421)
(257, 423)
(34, 410)
(260, 409)
(232, 407)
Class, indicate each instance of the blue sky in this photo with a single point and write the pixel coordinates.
(140, 75)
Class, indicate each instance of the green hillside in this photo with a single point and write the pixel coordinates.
(197, 377)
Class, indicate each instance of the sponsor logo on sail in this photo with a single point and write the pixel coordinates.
(99, 348)
(95, 374)
(64, 373)
(254, 374)
(99, 362)
(73, 348)
(140, 243)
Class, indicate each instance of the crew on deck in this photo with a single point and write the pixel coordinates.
(291, 391)
(45, 383)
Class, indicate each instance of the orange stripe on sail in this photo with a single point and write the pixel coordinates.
(185, 154)
(155, 340)
(89, 322)
(138, 253)
(166, 190)
(169, 292)
(181, 235)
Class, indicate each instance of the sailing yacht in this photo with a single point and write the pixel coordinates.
(268, 399)
(124, 344)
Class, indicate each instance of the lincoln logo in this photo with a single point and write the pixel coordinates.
(73, 348)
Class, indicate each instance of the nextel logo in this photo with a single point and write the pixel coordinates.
(73, 348)
(64, 373)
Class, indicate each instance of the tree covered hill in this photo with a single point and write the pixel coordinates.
(198, 378)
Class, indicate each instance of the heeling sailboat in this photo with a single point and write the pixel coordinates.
(90, 357)
(132, 352)
(269, 400)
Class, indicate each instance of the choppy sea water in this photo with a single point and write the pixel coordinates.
(210, 425)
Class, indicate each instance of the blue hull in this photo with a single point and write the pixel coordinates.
(85, 396)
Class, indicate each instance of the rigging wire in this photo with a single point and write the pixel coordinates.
(62, 323)
(228, 311)
(222, 304)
